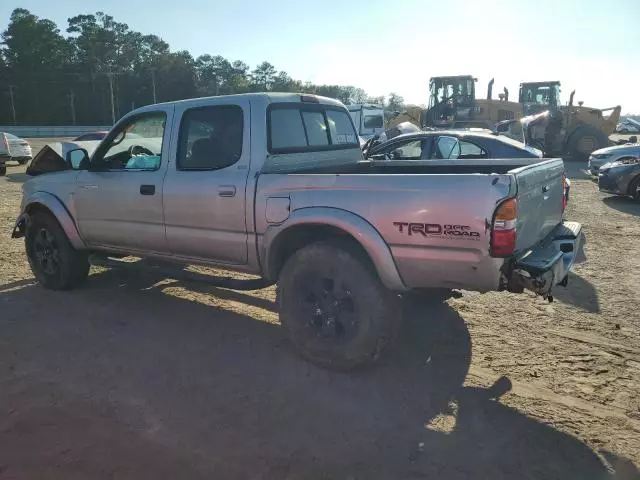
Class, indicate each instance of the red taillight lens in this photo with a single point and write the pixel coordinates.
(565, 191)
(503, 242)
(503, 230)
(4, 141)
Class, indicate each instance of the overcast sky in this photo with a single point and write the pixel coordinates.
(385, 46)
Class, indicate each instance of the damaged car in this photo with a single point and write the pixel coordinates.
(618, 153)
(621, 177)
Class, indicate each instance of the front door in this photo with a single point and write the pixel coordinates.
(204, 191)
(118, 201)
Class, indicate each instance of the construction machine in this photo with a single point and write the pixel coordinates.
(453, 104)
(560, 129)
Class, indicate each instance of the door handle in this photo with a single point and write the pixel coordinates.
(89, 187)
(147, 189)
(227, 191)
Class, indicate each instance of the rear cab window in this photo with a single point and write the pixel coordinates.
(305, 135)
(373, 121)
(296, 128)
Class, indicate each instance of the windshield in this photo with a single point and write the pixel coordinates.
(459, 90)
(541, 94)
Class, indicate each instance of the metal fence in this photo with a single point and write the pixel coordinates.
(51, 131)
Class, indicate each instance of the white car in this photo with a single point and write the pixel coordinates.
(13, 148)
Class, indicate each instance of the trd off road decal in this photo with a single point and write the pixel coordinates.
(437, 230)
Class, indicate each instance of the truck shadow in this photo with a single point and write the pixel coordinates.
(623, 204)
(121, 377)
(579, 293)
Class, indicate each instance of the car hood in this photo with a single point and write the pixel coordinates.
(51, 158)
(620, 163)
(630, 149)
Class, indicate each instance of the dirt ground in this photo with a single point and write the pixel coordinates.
(136, 377)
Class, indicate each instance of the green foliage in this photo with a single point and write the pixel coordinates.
(47, 72)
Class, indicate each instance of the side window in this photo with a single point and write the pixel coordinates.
(294, 128)
(407, 151)
(210, 138)
(471, 150)
(136, 145)
(446, 148)
(373, 121)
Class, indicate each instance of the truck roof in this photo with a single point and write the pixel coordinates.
(453, 77)
(272, 97)
(359, 106)
(552, 82)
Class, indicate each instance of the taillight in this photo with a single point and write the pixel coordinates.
(503, 230)
(4, 141)
(565, 191)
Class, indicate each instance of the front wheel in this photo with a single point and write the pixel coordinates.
(334, 308)
(634, 188)
(53, 260)
(585, 140)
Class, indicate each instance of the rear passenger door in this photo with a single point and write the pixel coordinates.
(204, 190)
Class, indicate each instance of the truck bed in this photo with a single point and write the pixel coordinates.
(376, 167)
(435, 217)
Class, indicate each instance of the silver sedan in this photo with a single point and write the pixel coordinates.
(612, 154)
(13, 148)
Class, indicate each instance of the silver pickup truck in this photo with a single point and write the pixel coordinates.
(276, 185)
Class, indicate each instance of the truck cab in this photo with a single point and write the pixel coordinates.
(537, 97)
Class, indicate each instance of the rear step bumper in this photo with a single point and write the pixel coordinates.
(548, 264)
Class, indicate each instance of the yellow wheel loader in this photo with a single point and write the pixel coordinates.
(453, 104)
(560, 130)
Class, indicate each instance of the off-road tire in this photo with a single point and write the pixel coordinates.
(590, 135)
(3, 171)
(68, 267)
(633, 188)
(364, 320)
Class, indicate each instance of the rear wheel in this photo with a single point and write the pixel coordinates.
(54, 262)
(584, 140)
(634, 188)
(3, 170)
(334, 308)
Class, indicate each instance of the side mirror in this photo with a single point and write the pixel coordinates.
(78, 159)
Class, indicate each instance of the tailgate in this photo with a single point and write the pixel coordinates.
(540, 192)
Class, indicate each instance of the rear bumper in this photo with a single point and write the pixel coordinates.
(548, 264)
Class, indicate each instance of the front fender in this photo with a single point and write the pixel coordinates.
(58, 210)
(361, 230)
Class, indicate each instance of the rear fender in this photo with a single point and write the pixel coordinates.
(50, 203)
(355, 226)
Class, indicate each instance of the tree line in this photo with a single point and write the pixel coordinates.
(101, 69)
